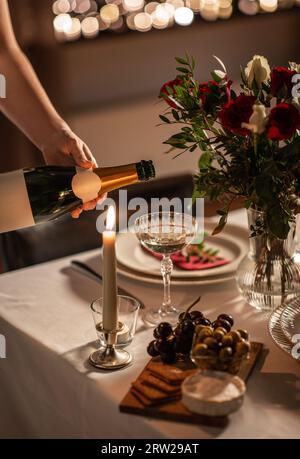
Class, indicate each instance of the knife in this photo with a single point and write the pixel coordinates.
(85, 269)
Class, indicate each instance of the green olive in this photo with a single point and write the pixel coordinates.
(244, 334)
(200, 349)
(199, 328)
(212, 343)
(227, 340)
(219, 333)
(225, 353)
(235, 335)
(222, 330)
(242, 347)
(204, 333)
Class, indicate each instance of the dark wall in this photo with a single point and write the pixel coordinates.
(113, 69)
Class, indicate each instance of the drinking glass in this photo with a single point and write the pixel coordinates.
(128, 311)
(165, 233)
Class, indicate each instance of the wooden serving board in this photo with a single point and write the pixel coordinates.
(174, 410)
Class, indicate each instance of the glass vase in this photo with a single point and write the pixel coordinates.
(268, 275)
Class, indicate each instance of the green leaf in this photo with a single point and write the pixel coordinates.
(248, 203)
(221, 224)
(175, 114)
(222, 212)
(197, 194)
(175, 142)
(183, 70)
(243, 76)
(164, 119)
(277, 222)
(179, 136)
(182, 61)
(204, 160)
(193, 63)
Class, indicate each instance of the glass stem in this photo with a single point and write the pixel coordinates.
(166, 270)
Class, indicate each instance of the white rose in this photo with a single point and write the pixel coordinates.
(257, 70)
(257, 121)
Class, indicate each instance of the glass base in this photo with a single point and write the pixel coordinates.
(110, 358)
(155, 316)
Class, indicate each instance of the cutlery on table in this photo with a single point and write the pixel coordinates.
(87, 270)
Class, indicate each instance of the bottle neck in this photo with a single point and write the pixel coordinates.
(116, 177)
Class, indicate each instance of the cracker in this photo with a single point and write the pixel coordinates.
(153, 393)
(150, 380)
(147, 402)
(170, 374)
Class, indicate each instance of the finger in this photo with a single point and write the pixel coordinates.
(79, 156)
(89, 155)
(101, 198)
(90, 205)
(75, 213)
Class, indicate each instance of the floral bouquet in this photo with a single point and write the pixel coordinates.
(250, 144)
(250, 141)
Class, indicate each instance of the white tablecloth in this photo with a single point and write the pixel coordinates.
(47, 389)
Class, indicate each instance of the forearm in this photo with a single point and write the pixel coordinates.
(26, 103)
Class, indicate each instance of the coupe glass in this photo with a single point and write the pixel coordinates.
(165, 233)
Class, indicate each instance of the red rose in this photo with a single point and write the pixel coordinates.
(236, 112)
(283, 121)
(207, 88)
(212, 94)
(166, 95)
(281, 79)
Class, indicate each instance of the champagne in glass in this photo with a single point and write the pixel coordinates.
(165, 233)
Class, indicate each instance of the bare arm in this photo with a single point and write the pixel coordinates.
(28, 106)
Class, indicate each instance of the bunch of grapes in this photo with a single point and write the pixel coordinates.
(169, 344)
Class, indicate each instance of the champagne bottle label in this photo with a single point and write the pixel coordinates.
(15, 208)
(86, 185)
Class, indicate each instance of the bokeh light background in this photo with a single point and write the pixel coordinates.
(74, 19)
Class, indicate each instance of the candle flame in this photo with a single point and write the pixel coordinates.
(110, 218)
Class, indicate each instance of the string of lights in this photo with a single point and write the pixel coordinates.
(87, 18)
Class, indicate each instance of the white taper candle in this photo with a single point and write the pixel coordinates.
(110, 304)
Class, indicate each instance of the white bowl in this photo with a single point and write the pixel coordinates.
(213, 393)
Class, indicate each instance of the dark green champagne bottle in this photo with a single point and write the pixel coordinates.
(35, 195)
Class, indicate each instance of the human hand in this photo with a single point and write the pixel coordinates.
(65, 148)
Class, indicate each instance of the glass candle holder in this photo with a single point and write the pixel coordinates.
(128, 310)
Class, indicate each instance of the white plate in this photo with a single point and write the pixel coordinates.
(232, 243)
(144, 278)
(276, 331)
(290, 319)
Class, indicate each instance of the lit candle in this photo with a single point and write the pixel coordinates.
(184, 16)
(110, 312)
(268, 5)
